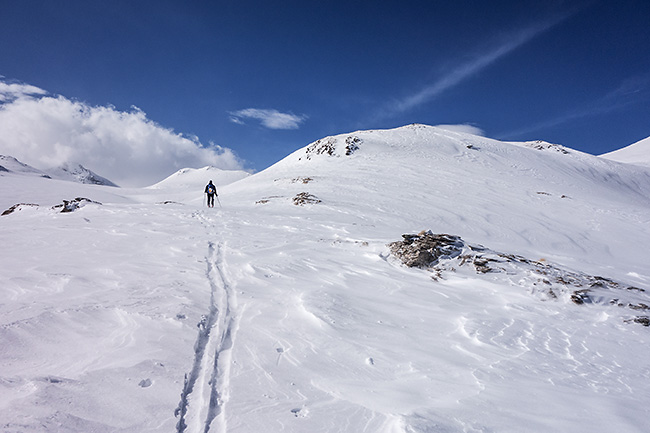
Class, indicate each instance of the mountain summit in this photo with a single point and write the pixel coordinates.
(78, 173)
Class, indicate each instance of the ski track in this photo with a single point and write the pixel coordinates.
(206, 388)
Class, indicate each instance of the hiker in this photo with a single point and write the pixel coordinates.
(211, 191)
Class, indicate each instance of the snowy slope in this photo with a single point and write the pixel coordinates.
(78, 173)
(11, 164)
(637, 153)
(196, 179)
(285, 311)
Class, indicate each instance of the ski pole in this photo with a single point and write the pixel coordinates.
(219, 201)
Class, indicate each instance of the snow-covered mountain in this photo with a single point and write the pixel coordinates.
(78, 173)
(637, 153)
(12, 165)
(294, 308)
(196, 178)
(68, 171)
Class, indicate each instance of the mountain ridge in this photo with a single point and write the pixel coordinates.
(78, 173)
(69, 171)
(636, 153)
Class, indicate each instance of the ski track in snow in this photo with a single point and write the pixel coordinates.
(206, 386)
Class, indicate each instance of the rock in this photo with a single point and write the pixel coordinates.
(17, 207)
(425, 249)
(442, 254)
(324, 146)
(304, 198)
(145, 383)
(352, 144)
(73, 205)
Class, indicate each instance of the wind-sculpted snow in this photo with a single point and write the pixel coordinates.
(443, 254)
(306, 320)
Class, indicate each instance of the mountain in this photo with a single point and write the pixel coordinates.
(78, 173)
(637, 153)
(69, 171)
(12, 165)
(406, 280)
(196, 179)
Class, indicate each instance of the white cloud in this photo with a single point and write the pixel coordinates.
(272, 119)
(125, 147)
(464, 128)
(13, 91)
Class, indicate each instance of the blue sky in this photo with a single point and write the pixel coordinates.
(264, 78)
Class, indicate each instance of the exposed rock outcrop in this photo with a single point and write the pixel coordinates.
(443, 254)
(73, 205)
(304, 198)
(16, 207)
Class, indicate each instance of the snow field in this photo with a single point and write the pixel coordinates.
(98, 294)
(390, 342)
(136, 316)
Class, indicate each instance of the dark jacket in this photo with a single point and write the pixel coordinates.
(207, 188)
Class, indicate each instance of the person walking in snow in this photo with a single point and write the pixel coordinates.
(211, 191)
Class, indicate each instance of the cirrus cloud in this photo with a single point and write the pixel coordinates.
(126, 147)
(499, 48)
(269, 118)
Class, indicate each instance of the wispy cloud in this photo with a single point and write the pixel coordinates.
(13, 91)
(126, 147)
(272, 119)
(473, 66)
(631, 91)
(463, 128)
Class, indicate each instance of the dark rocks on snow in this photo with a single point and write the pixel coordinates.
(542, 145)
(17, 207)
(580, 297)
(301, 180)
(324, 146)
(352, 144)
(145, 383)
(442, 254)
(424, 249)
(73, 205)
(67, 206)
(328, 146)
(643, 320)
(304, 198)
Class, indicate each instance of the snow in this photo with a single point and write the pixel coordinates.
(11, 164)
(190, 178)
(78, 173)
(637, 153)
(150, 312)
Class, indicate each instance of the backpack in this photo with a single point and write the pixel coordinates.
(211, 189)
